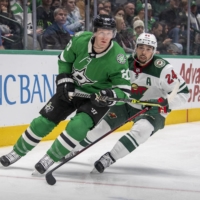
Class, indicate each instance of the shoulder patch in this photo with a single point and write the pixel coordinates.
(121, 58)
(159, 63)
(78, 33)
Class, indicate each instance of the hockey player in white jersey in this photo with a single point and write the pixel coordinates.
(152, 79)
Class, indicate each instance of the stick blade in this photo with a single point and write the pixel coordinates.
(50, 179)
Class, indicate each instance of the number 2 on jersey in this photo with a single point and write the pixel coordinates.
(171, 77)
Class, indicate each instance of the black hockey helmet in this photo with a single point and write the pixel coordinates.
(105, 22)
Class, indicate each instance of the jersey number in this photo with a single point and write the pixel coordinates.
(170, 77)
(125, 74)
(69, 45)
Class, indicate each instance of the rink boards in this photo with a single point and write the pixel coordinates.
(27, 81)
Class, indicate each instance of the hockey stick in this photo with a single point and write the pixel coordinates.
(129, 100)
(170, 97)
(49, 176)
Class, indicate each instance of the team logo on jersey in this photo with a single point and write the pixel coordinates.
(80, 77)
(112, 115)
(134, 86)
(48, 108)
(138, 91)
(79, 33)
(159, 63)
(121, 58)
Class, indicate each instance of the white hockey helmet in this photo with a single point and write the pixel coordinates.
(148, 39)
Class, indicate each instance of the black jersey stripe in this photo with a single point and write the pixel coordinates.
(69, 142)
(126, 90)
(31, 138)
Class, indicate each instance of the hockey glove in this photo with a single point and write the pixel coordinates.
(65, 87)
(100, 99)
(157, 110)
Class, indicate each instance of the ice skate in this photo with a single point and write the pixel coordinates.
(44, 164)
(10, 158)
(105, 161)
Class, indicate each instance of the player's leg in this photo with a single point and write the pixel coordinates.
(116, 115)
(51, 114)
(145, 125)
(87, 116)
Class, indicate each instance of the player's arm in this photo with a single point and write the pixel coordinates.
(120, 78)
(168, 81)
(121, 87)
(67, 57)
(64, 80)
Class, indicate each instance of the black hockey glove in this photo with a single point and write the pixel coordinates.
(155, 109)
(100, 99)
(65, 86)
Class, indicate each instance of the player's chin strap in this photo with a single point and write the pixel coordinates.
(135, 101)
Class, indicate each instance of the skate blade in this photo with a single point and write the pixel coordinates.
(36, 173)
(94, 171)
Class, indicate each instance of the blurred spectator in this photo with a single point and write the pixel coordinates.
(122, 36)
(80, 8)
(140, 13)
(194, 16)
(172, 18)
(196, 49)
(159, 6)
(119, 12)
(99, 6)
(55, 37)
(164, 40)
(56, 4)
(73, 22)
(38, 3)
(138, 26)
(1, 45)
(103, 11)
(174, 49)
(129, 9)
(45, 14)
(151, 19)
(18, 11)
(194, 27)
(157, 30)
(107, 6)
(9, 27)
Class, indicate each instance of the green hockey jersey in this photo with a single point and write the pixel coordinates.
(157, 79)
(94, 72)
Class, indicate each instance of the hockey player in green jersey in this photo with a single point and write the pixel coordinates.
(152, 78)
(92, 63)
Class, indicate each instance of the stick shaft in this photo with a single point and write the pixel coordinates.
(129, 100)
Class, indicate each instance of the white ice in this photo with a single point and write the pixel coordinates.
(166, 167)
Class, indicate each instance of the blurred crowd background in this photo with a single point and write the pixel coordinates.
(50, 24)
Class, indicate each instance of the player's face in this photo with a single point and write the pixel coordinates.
(144, 52)
(102, 38)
